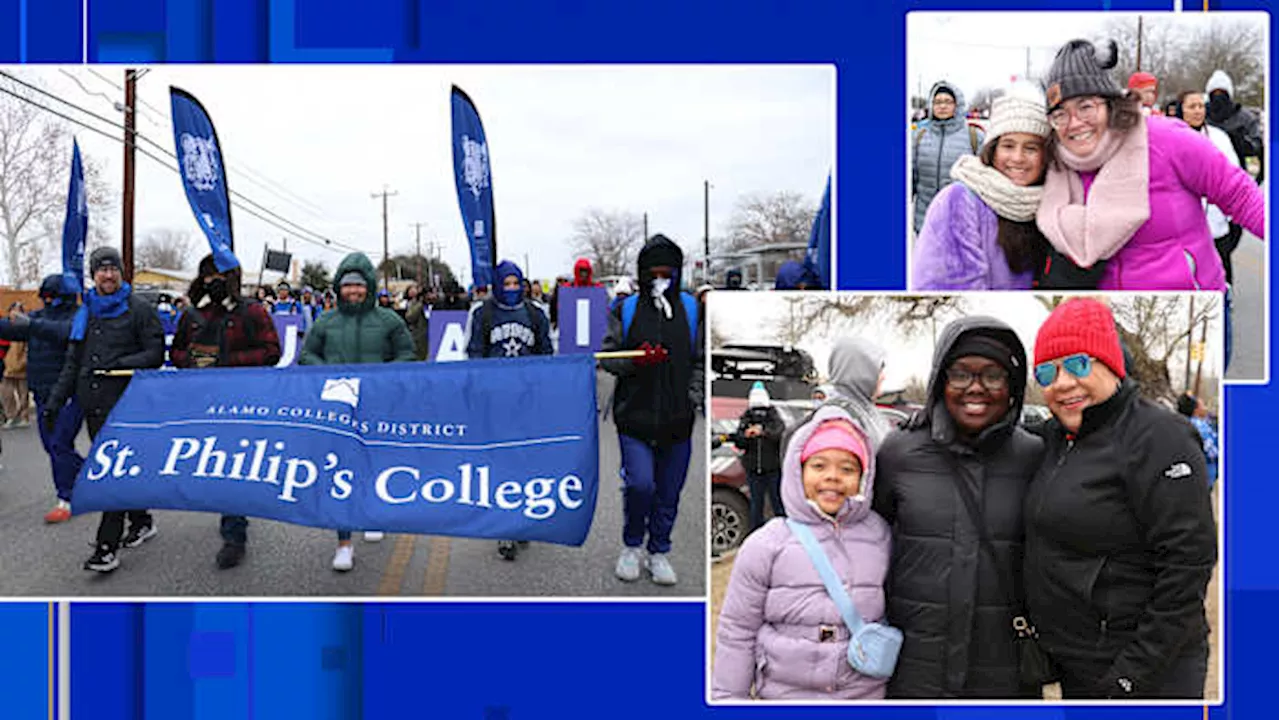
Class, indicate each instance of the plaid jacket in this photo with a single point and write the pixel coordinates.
(248, 337)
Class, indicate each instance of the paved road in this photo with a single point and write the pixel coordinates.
(1249, 336)
(290, 560)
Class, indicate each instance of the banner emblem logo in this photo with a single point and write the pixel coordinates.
(475, 165)
(200, 162)
(343, 390)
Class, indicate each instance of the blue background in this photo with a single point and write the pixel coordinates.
(564, 660)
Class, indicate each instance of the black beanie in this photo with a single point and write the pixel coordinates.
(1077, 71)
(104, 257)
(981, 345)
(1187, 404)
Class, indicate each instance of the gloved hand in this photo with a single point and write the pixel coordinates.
(203, 356)
(653, 355)
(19, 320)
(49, 416)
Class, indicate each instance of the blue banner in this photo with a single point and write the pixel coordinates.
(203, 171)
(289, 330)
(447, 335)
(503, 450)
(475, 186)
(818, 256)
(75, 228)
(584, 318)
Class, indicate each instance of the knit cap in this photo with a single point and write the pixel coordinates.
(104, 257)
(758, 397)
(1020, 109)
(353, 278)
(1142, 81)
(835, 435)
(1081, 325)
(1078, 71)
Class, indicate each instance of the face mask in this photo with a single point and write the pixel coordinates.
(661, 285)
(511, 297)
(1220, 107)
(216, 290)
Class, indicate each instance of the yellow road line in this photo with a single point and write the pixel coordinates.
(437, 566)
(397, 565)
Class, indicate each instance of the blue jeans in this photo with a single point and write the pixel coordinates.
(60, 444)
(652, 479)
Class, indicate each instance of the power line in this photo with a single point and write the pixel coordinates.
(243, 169)
(161, 148)
(323, 243)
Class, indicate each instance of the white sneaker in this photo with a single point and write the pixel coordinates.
(661, 570)
(628, 567)
(373, 536)
(344, 558)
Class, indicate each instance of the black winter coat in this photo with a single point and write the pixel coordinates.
(46, 338)
(1121, 542)
(131, 341)
(761, 455)
(945, 591)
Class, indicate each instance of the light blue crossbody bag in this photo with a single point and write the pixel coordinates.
(873, 648)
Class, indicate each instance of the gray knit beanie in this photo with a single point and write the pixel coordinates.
(353, 278)
(1078, 70)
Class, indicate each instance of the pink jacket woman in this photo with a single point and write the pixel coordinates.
(1128, 189)
(771, 627)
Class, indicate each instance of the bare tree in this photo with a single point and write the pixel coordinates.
(610, 239)
(166, 248)
(315, 275)
(35, 165)
(1155, 330)
(1183, 57)
(907, 314)
(981, 100)
(782, 217)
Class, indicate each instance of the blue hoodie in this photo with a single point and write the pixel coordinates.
(516, 328)
(46, 336)
(791, 274)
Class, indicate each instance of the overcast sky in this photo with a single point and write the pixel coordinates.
(985, 49)
(561, 140)
(756, 318)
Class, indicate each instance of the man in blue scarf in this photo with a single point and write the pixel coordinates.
(112, 330)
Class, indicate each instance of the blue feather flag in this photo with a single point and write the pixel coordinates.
(475, 186)
(203, 171)
(75, 228)
(818, 257)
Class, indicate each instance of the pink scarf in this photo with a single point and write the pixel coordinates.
(1096, 229)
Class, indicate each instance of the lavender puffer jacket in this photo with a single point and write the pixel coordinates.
(768, 634)
(957, 248)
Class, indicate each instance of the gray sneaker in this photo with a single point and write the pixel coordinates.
(661, 570)
(628, 567)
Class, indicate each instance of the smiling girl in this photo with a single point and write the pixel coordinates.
(780, 634)
(980, 231)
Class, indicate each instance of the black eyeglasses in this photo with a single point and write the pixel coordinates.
(992, 378)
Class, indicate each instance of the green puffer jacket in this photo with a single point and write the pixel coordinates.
(363, 333)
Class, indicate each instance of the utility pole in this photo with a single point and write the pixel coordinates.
(645, 238)
(706, 228)
(386, 248)
(1139, 68)
(417, 257)
(1026, 74)
(1204, 338)
(1191, 337)
(130, 148)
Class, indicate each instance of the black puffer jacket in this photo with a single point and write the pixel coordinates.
(761, 455)
(133, 340)
(1121, 541)
(944, 590)
(46, 336)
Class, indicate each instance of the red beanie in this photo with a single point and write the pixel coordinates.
(1081, 325)
(1140, 80)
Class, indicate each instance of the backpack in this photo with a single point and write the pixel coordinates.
(486, 320)
(690, 312)
(973, 138)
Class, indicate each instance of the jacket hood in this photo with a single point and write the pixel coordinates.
(358, 262)
(52, 285)
(512, 299)
(659, 250)
(855, 366)
(1219, 80)
(578, 267)
(793, 499)
(961, 107)
(791, 274)
(937, 416)
(733, 279)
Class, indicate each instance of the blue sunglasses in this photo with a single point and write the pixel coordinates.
(1078, 365)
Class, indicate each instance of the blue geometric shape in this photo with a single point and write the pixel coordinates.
(136, 48)
(211, 654)
(284, 47)
(188, 31)
(240, 31)
(333, 657)
(54, 31)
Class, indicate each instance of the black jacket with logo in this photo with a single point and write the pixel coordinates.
(1121, 540)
